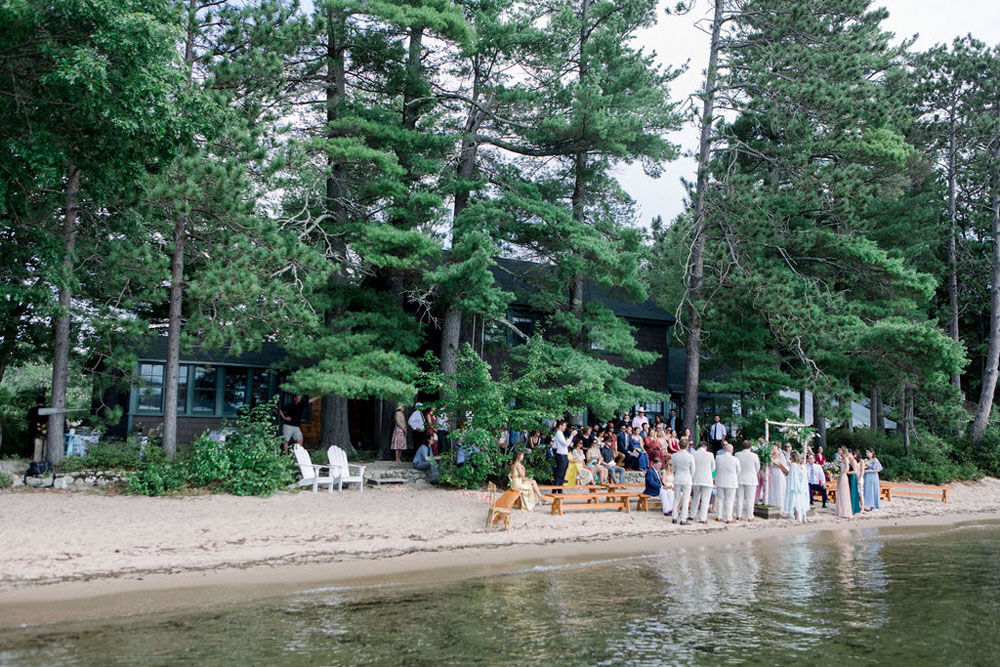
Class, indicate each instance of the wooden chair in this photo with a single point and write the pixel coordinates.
(312, 473)
(500, 509)
(343, 471)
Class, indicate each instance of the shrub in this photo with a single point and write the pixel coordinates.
(108, 455)
(5, 480)
(492, 464)
(931, 460)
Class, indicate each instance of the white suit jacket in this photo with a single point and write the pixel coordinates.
(683, 467)
(727, 471)
(704, 464)
(749, 467)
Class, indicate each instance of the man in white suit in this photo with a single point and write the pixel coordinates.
(704, 465)
(747, 490)
(683, 462)
(727, 471)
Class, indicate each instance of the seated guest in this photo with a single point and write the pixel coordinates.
(584, 475)
(615, 471)
(519, 481)
(424, 460)
(817, 479)
(594, 464)
(653, 482)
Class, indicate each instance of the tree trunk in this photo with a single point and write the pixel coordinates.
(956, 379)
(174, 339)
(60, 344)
(874, 408)
(385, 409)
(579, 200)
(819, 422)
(907, 415)
(334, 420)
(985, 407)
(696, 265)
(802, 405)
(849, 423)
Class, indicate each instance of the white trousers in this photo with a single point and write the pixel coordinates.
(701, 497)
(667, 499)
(682, 501)
(725, 497)
(745, 495)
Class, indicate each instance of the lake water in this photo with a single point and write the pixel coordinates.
(930, 597)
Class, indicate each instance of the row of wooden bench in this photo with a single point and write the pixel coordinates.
(616, 496)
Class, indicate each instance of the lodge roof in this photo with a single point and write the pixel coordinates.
(155, 349)
(523, 278)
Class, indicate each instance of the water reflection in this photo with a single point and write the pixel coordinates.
(832, 597)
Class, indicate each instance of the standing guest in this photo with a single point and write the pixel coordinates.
(816, 478)
(291, 414)
(430, 423)
(424, 459)
(667, 489)
(560, 448)
(683, 462)
(398, 433)
(653, 482)
(624, 434)
(704, 466)
(686, 433)
(727, 474)
(820, 459)
(717, 434)
(609, 463)
(672, 421)
(853, 476)
(797, 498)
(747, 490)
(527, 487)
(776, 481)
(872, 483)
(640, 421)
(442, 431)
(417, 424)
(844, 510)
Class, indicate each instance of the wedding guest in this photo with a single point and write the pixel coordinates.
(820, 458)
(594, 464)
(519, 481)
(424, 459)
(534, 440)
(609, 462)
(817, 480)
(797, 500)
(640, 421)
(746, 492)
(717, 434)
(673, 444)
(560, 449)
(430, 429)
(727, 473)
(417, 424)
(704, 466)
(584, 475)
(872, 483)
(683, 462)
(672, 421)
(853, 478)
(398, 443)
(844, 510)
(653, 482)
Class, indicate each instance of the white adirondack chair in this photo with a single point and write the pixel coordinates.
(343, 471)
(312, 473)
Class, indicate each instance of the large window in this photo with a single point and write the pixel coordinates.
(204, 390)
(234, 394)
(150, 394)
(260, 386)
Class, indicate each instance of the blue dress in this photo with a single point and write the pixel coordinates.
(872, 484)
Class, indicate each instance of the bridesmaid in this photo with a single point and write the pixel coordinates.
(872, 483)
(843, 487)
(853, 475)
(776, 482)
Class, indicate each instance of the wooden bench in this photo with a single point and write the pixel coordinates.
(591, 489)
(890, 489)
(645, 502)
(501, 508)
(592, 501)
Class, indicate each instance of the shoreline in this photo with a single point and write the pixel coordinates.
(34, 604)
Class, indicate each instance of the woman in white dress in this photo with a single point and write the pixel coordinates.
(797, 493)
(667, 489)
(776, 482)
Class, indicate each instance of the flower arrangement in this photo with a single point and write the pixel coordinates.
(800, 434)
(833, 468)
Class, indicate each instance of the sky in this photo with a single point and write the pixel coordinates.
(678, 39)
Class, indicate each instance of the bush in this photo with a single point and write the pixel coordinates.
(492, 464)
(931, 460)
(108, 455)
(249, 463)
(5, 480)
(985, 455)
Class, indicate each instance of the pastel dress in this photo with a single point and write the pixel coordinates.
(398, 433)
(797, 493)
(855, 494)
(844, 493)
(584, 475)
(528, 495)
(872, 483)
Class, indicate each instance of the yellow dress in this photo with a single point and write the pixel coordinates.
(571, 471)
(528, 495)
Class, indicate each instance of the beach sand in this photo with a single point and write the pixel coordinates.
(111, 554)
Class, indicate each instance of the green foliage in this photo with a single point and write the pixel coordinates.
(931, 460)
(110, 455)
(5, 480)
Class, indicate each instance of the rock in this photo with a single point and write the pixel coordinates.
(90, 479)
(61, 483)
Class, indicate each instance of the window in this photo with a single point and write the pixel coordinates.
(525, 324)
(203, 391)
(150, 394)
(182, 388)
(596, 347)
(234, 395)
(494, 332)
(260, 386)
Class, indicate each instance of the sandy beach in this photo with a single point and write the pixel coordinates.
(117, 550)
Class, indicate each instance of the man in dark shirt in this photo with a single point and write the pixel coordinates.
(291, 416)
(615, 471)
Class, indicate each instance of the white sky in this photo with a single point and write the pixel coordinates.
(677, 39)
